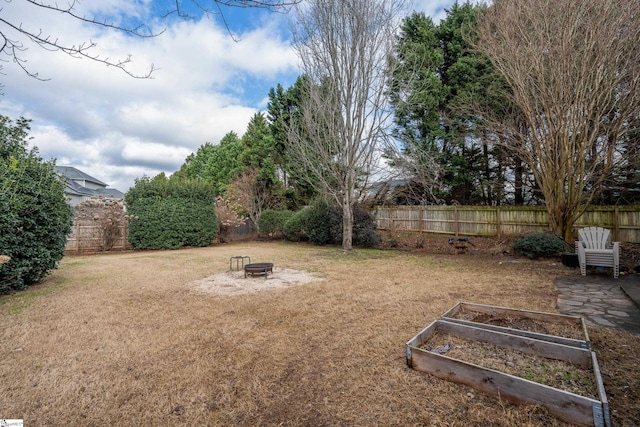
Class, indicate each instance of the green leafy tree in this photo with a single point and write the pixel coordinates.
(170, 214)
(223, 166)
(217, 164)
(284, 110)
(194, 165)
(438, 74)
(259, 153)
(35, 217)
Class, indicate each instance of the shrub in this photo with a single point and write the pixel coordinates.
(324, 226)
(171, 214)
(364, 229)
(318, 224)
(271, 222)
(295, 227)
(35, 217)
(539, 245)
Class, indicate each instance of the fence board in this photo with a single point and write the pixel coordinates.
(87, 237)
(489, 221)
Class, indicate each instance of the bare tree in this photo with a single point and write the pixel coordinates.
(344, 47)
(250, 194)
(573, 68)
(17, 36)
(419, 169)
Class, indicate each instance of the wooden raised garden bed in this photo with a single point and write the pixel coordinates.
(558, 328)
(524, 369)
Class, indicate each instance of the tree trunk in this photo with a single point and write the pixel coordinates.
(518, 172)
(347, 225)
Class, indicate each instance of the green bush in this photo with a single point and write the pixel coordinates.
(364, 228)
(271, 222)
(171, 214)
(539, 245)
(295, 227)
(35, 217)
(324, 226)
(318, 224)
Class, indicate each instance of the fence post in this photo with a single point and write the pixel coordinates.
(77, 237)
(498, 223)
(455, 216)
(392, 223)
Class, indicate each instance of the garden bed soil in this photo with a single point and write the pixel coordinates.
(571, 327)
(553, 373)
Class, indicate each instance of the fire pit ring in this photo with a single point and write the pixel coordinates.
(258, 269)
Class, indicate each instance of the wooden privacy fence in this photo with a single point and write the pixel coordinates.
(87, 236)
(623, 221)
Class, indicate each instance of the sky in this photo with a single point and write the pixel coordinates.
(208, 80)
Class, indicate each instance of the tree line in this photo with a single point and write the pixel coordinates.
(517, 102)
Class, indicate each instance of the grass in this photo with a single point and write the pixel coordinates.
(22, 301)
(127, 338)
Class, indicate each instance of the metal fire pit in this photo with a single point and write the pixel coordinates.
(258, 269)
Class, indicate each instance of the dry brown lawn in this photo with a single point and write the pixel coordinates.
(135, 339)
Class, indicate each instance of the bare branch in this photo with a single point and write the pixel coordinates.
(135, 31)
(13, 47)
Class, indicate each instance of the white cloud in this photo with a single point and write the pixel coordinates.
(151, 153)
(433, 8)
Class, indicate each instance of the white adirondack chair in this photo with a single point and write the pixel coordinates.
(595, 248)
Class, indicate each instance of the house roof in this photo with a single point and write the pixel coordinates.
(72, 187)
(78, 190)
(110, 193)
(75, 174)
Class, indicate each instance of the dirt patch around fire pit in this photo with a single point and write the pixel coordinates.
(235, 283)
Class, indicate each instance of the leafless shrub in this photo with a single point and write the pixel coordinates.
(228, 218)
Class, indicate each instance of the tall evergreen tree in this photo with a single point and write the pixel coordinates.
(284, 109)
(224, 163)
(217, 164)
(259, 153)
(438, 76)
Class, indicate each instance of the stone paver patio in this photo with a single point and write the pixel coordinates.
(599, 299)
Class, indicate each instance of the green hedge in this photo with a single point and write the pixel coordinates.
(171, 214)
(271, 222)
(35, 217)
